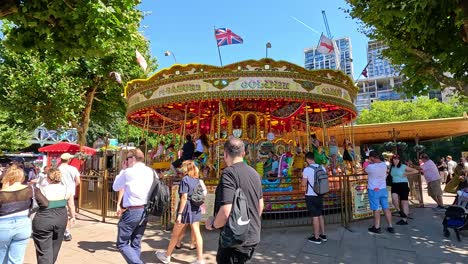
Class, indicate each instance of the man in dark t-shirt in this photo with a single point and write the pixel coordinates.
(237, 175)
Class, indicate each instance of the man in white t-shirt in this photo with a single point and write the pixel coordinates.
(377, 192)
(71, 179)
(314, 202)
(432, 176)
(451, 165)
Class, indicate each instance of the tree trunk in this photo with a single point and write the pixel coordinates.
(85, 116)
(8, 7)
(464, 7)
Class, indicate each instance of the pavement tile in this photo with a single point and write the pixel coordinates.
(395, 241)
(313, 259)
(326, 249)
(391, 256)
(445, 260)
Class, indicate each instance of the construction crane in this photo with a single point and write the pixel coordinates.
(325, 20)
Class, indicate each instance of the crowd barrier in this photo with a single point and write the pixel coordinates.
(284, 198)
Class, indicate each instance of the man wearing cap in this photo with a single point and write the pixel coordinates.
(71, 179)
(135, 179)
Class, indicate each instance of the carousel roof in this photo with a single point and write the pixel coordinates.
(195, 92)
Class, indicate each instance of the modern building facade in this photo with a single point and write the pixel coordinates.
(382, 78)
(314, 60)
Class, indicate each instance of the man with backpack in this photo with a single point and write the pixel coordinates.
(238, 207)
(136, 179)
(315, 182)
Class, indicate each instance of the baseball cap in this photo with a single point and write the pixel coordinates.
(66, 156)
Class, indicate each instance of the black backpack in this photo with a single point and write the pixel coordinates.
(197, 197)
(159, 198)
(234, 233)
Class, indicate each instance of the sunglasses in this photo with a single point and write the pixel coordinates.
(130, 157)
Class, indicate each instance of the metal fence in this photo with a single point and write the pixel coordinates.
(356, 205)
(284, 198)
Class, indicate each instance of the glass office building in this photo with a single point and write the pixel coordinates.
(382, 78)
(314, 60)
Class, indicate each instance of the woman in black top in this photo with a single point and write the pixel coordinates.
(443, 171)
(15, 224)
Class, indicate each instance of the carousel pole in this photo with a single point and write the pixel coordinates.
(219, 140)
(198, 119)
(352, 142)
(323, 124)
(307, 126)
(146, 138)
(163, 126)
(185, 122)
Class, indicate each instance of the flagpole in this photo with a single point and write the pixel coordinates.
(219, 51)
(362, 71)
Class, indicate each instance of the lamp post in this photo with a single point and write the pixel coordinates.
(268, 46)
(169, 53)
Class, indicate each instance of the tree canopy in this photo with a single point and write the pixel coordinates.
(426, 39)
(70, 28)
(12, 135)
(57, 59)
(419, 109)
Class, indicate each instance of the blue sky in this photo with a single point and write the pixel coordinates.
(186, 28)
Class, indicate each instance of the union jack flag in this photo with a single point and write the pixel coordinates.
(224, 36)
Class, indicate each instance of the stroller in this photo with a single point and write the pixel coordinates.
(456, 216)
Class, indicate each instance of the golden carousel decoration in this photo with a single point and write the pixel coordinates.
(269, 104)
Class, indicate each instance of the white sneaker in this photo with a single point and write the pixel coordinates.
(198, 262)
(161, 255)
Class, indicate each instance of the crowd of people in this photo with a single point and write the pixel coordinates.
(42, 207)
(237, 180)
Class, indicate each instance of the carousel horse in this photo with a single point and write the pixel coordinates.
(202, 163)
(284, 171)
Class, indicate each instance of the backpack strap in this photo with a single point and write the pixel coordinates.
(308, 182)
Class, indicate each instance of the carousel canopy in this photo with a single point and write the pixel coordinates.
(284, 94)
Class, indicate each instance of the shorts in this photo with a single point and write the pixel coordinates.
(402, 189)
(378, 199)
(433, 188)
(314, 205)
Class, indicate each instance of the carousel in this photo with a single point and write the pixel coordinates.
(273, 106)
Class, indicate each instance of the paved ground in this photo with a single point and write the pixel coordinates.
(419, 242)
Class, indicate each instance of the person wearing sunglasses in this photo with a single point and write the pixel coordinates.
(135, 180)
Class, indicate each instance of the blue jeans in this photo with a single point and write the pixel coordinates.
(14, 236)
(130, 234)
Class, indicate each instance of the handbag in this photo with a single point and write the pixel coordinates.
(389, 179)
(34, 205)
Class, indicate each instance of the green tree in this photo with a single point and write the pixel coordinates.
(57, 57)
(71, 28)
(419, 109)
(12, 136)
(39, 89)
(123, 132)
(428, 39)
